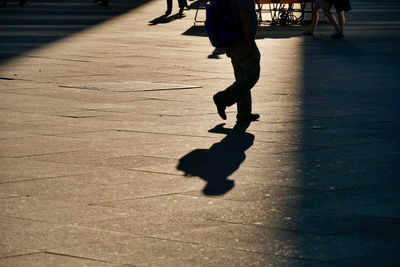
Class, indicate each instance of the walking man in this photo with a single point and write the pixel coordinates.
(245, 58)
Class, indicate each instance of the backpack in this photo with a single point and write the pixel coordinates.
(219, 24)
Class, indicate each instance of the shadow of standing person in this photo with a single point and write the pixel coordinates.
(222, 159)
(165, 19)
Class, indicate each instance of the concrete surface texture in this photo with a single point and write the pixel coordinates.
(112, 153)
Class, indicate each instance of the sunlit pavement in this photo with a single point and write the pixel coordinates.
(112, 153)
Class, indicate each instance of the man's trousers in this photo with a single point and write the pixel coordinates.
(247, 72)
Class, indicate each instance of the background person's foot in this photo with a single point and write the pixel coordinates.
(308, 33)
(337, 34)
(103, 3)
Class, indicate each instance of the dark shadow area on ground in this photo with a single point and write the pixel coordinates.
(350, 182)
(216, 164)
(26, 28)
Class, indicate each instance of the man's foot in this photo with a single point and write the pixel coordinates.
(181, 11)
(337, 34)
(103, 3)
(220, 107)
(24, 4)
(250, 117)
(168, 12)
(308, 33)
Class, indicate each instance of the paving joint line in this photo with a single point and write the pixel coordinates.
(21, 255)
(44, 154)
(154, 172)
(138, 198)
(280, 229)
(44, 178)
(144, 132)
(62, 59)
(235, 249)
(76, 257)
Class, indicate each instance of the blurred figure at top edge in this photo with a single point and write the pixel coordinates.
(101, 2)
(22, 3)
(182, 4)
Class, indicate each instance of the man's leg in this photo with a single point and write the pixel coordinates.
(330, 16)
(169, 7)
(244, 106)
(341, 18)
(338, 33)
(314, 22)
(244, 103)
(247, 72)
(182, 4)
(315, 19)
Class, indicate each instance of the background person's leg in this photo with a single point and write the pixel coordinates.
(169, 7)
(315, 19)
(341, 18)
(330, 16)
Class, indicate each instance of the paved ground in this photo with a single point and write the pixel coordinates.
(102, 113)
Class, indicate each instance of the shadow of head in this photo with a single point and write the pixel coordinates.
(221, 160)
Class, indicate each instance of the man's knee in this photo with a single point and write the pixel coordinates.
(327, 9)
(253, 78)
(340, 12)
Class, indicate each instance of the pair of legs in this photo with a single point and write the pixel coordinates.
(315, 19)
(182, 4)
(247, 72)
(338, 23)
(21, 3)
(101, 2)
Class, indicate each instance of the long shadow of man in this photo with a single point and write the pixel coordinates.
(221, 160)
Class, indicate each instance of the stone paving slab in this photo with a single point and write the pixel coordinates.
(144, 173)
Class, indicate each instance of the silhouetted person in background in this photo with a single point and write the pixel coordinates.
(318, 4)
(182, 4)
(338, 24)
(101, 2)
(21, 3)
(245, 58)
(216, 164)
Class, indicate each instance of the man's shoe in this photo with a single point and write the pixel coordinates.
(103, 3)
(181, 11)
(308, 33)
(220, 107)
(24, 4)
(337, 34)
(168, 12)
(250, 117)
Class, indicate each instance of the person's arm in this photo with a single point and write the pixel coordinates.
(248, 31)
